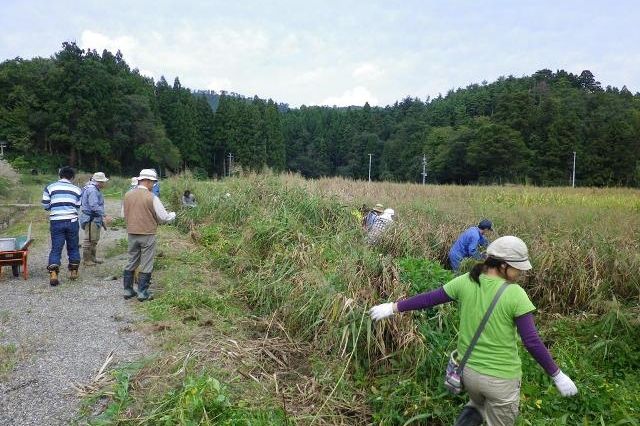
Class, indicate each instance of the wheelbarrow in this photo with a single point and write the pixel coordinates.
(14, 252)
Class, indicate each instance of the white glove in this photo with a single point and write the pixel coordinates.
(172, 216)
(564, 384)
(379, 312)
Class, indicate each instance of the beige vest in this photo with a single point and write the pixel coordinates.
(139, 212)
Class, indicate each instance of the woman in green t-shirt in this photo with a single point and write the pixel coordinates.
(493, 371)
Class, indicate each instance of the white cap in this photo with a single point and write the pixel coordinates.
(99, 177)
(148, 174)
(388, 214)
(512, 250)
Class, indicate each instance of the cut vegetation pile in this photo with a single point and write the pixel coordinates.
(297, 281)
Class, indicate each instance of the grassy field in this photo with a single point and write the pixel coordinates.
(263, 294)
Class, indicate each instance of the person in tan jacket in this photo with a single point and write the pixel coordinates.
(143, 212)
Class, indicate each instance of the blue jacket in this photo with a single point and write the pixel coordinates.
(92, 205)
(466, 246)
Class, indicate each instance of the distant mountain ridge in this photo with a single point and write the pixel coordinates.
(213, 98)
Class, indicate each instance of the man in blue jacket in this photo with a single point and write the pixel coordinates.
(468, 242)
(92, 217)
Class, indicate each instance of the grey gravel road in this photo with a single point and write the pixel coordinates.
(63, 334)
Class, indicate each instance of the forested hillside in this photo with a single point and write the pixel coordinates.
(92, 111)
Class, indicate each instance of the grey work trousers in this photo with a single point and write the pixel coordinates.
(142, 251)
(91, 235)
(497, 399)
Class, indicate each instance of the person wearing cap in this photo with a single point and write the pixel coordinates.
(492, 373)
(134, 183)
(188, 199)
(62, 200)
(156, 186)
(92, 217)
(468, 242)
(373, 214)
(143, 212)
(381, 224)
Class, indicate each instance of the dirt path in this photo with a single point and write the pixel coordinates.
(62, 335)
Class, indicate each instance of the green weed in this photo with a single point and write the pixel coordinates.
(8, 358)
(298, 255)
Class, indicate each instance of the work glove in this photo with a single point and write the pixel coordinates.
(379, 312)
(564, 384)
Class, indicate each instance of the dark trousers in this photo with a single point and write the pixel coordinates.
(64, 231)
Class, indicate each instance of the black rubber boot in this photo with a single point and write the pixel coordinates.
(144, 281)
(127, 281)
(469, 417)
(53, 275)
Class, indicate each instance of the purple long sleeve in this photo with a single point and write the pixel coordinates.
(532, 342)
(424, 300)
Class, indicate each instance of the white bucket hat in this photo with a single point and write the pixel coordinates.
(99, 177)
(512, 250)
(388, 214)
(148, 174)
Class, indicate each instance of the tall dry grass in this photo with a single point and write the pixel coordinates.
(584, 243)
(298, 253)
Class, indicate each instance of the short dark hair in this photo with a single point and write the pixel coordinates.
(67, 172)
(187, 193)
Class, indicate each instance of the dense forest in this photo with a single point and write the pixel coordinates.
(93, 111)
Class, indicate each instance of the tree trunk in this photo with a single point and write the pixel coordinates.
(73, 157)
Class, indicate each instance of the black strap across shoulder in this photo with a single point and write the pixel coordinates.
(483, 323)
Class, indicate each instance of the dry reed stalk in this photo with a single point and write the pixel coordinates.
(98, 382)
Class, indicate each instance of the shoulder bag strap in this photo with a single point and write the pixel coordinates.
(483, 323)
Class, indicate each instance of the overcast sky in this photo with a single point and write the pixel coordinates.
(337, 52)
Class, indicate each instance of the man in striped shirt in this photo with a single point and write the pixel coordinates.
(62, 200)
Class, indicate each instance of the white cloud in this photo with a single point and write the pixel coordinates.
(310, 76)
(367, 71)
(93, 40)
(219, 84)
(356, 96)
(147, 73)
(290, 45)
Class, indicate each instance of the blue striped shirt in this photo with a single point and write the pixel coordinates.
(62, 200)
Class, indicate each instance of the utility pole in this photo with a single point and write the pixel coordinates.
(370, 167)
(424, 168)
(573, 177)
(230, 164)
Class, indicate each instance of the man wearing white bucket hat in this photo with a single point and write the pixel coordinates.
(142, 212)
(92, 217)
(486, 360)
